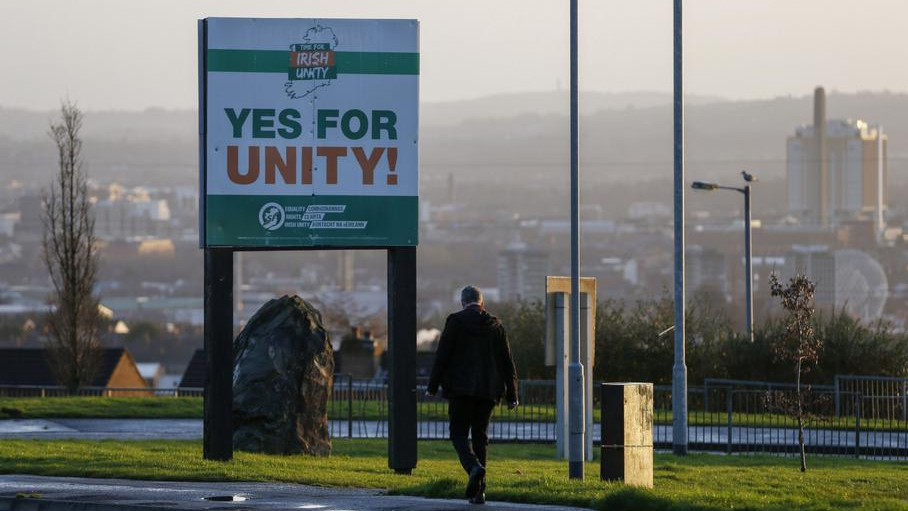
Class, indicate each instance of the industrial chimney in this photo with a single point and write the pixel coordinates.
(880, 160)
(819, 128)
(451, 188)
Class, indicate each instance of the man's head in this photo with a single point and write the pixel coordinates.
(471, 295)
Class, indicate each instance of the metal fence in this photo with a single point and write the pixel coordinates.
(734, 420)
(58, 391)
(857, 416)
(724, 416)
(885, 397)
(359, 408)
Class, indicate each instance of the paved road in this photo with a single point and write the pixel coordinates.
(190, 429)
(98, 429)
(82, 494)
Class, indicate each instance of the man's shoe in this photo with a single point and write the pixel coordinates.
(475, 481)
(480, 498)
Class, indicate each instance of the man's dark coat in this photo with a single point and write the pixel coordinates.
(474, 358)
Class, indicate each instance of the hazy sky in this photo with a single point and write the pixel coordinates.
(116, 54)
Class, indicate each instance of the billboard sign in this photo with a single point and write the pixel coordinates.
(309, 132)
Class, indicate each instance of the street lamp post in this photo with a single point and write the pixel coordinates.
(679, 368)
(748, 253)
(748, 265)
(576, 409)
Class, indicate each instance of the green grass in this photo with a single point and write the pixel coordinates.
(102, 407)
(157, 407)
(517, 472)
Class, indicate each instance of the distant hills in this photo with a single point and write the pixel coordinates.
(625, 136)
(159, 123)
(634, 143)
(153, 123)
(502, 106)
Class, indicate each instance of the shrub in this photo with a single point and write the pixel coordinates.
(628, 347)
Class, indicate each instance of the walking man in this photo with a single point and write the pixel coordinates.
(473, 366)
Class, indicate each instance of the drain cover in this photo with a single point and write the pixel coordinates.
(226, 498)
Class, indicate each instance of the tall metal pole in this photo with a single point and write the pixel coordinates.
(748, 265)
(679, 370)
(576, 422)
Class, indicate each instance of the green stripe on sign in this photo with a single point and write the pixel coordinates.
(376, 63)
(347, 62)
(249, 61)
(311, 221)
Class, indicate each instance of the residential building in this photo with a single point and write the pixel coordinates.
(116, 370)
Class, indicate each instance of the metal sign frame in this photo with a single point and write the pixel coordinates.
(558, 353)
(219, 310)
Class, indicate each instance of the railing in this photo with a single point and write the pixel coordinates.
(721, 418)
(359, 408)
(858, 416)
(723, 383)
(58, 391)
(763, 421)
(886, 397)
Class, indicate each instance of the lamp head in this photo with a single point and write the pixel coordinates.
(702, 185)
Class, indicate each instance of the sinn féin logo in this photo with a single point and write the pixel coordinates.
(271, 216)
(311, 62)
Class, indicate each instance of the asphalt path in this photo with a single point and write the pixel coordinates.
(24, 492)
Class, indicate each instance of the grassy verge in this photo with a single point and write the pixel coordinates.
(191, 408)
(101, 407)
(517, 473)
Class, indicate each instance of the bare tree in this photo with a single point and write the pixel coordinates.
(341, 313)
(70, 253)
(798, 343)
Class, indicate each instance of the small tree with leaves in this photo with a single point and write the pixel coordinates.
(71, 255)
(798, 343)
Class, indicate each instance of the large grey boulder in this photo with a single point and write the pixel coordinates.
(283, 371)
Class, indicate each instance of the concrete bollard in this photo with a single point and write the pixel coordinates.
(627, 433)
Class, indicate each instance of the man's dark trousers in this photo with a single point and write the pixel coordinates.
(470, 415)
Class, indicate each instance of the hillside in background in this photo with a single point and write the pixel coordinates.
(502, 106)
(625, 137)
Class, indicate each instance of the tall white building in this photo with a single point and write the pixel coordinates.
(838, 171)
(131, 213)
(706, 269)
(521, 272)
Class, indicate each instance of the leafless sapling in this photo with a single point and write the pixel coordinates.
(71, 255)
(798, 343)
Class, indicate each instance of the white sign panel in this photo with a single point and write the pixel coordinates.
(310, 132)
